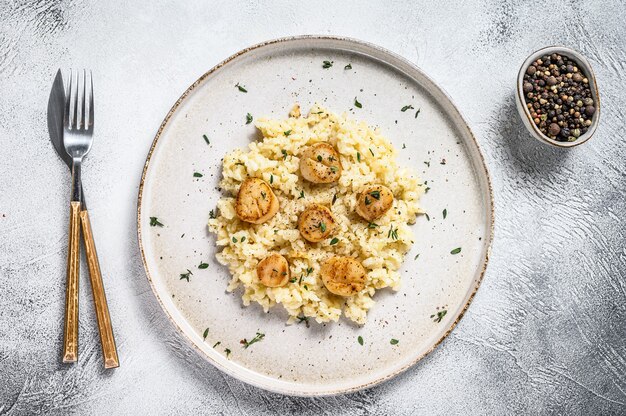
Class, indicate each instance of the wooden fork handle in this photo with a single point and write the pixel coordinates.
(70, 330)
(107, 340)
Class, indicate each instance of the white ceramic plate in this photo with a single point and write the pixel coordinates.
(322, 359)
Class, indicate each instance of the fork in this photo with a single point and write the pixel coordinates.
(77, 139)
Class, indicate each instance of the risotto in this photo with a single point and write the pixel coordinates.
(379, 245)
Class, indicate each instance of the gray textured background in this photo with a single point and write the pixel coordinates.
(547, 330)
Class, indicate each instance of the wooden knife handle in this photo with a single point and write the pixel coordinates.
(107, 340)
(70, 332)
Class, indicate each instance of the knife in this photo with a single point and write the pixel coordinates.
(56, 108)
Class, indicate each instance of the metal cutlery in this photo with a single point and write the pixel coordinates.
(70, 124)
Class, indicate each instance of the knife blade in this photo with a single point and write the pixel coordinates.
(56, 108)
(56, 112)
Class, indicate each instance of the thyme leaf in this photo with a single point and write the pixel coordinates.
(258, 337)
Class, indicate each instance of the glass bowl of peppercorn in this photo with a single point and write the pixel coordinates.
(557, 97)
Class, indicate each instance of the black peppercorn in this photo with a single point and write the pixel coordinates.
(554, 129)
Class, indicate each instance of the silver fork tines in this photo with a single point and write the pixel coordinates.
(78, 123)
(79, 102)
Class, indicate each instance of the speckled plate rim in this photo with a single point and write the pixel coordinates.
(392, 57)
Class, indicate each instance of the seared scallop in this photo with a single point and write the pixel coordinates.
(373, 202)
(316, 223)
(273, 271)
(320, 164)
(343, 276)
(256, 202)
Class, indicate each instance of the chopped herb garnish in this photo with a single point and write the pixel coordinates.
(393, 233)
(292, 280)
(217, 343)
(284, 152)
(243, 239)
(309, 270)
(154, 221)
(456, 250)
(357, 104)
(427, 216)
(240, 164)
(258, 337)
(212, 214)
(206, 139)
(327, 64)
(439, 315)
(349, 66)
(319, 112)
(203, 265)
(371, 151)
(417, 113)
(234, 240)
(248, 118)
(197, 175)
(301, 195)
(227, 351)
(416, 256)
(367, 201)
(206, 332)
(241, 87)
(372, 225)
(322, 227)
(263, 195)
(394, 341)
(360, 340)
(306, 287)
(334, 199)
(427, 163)
(333, 169)
(445, 213)
(319, 158)
(403, 146)
(271, 179)
(304, 319)
(358, 156)
(287, 133)
(427, 189)
(185, 275)
(334, 241)
(407, 107)
(375, 194)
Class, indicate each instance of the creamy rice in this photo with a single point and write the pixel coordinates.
(367, 158)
